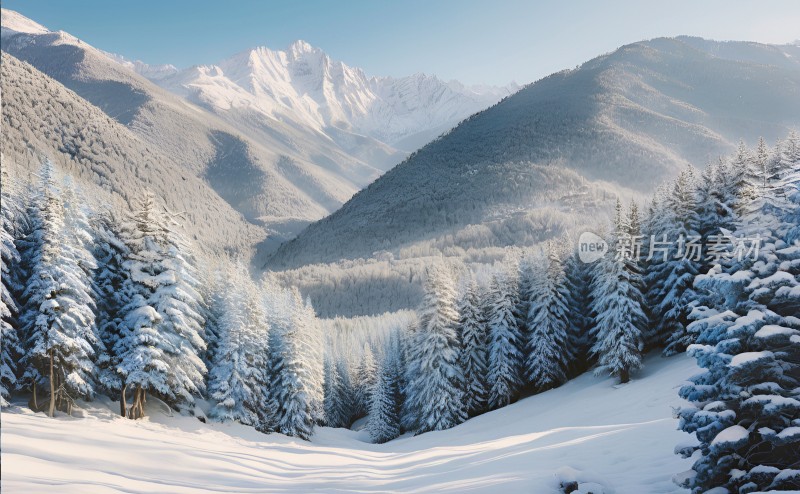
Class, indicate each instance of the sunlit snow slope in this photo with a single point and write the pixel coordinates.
(620, 437)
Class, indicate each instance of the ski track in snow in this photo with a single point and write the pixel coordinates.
(623, 436)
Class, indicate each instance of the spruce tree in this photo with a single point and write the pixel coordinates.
(548, 353)
(237, 380)
(294, 378)
(160, 342)
(365, 379)
(112, 285)
(744, 408)
(384, 415)
(10, 350)
(672, 264)
(505, 341)
(435, 391)
(58, 317)
(579, 306)
(337, 395)
(473, 350)
(619, 319)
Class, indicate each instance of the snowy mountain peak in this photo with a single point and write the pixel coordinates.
(299, 47)
(304, 85)
(14, 23)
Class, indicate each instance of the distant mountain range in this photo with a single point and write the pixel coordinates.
(304, 85)
(284, 138)
(619, 124)
(268, 144)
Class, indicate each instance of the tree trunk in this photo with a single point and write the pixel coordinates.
(624, 376)
(52, 409)
(142, 401)
(137, 407)
(123, 405)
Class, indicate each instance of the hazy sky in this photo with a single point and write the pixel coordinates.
(475, 41)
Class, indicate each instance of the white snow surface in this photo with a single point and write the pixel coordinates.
(12, 23)
(732, 434)
(620, 438)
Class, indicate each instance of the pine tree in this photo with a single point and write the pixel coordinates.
(473, 355)
(111, 284)
(312, 349)
(744, 408)
(408, 414)
(237, 380)
(365, 379)
(293, 377)
(58, 318)
(670, 272)
(579, 306)
(505, 341)
(337, 395)
(10, 350)
(213, 293)
(619, 319)
(548, 352)
(384, 415)
(435, 391)
(160, 342)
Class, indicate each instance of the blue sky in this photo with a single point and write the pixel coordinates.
(475, 41)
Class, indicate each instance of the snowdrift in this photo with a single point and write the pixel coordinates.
(616, 438)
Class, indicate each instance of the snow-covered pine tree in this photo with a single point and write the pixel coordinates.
(293, 380)
(579, 306)
(619, 319)
(365, 379)
(548, 353)
(160, 342)
(337, 396)
(10, 350)
(710, 219)
(408, 414)
(259, 330)
(745, 177)
(669, 308)
(435, 391)
(505, 341)
(473, 351)
(111, 284)
(745, 410)
(58, 318)
(787, 172)
(230, 382)
(313, 350)
(214, 295)
(237, 380)
(384, 414)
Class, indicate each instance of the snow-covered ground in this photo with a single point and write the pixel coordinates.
(620, 437)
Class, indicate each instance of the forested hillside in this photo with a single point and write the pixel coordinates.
(623, 122)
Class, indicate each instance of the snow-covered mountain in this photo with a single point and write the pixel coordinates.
(623, 122)
(282, 137)
(304, 85)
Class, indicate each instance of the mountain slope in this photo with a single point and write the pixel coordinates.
(621, 438)
(301, 175)
(630, 119)
(282, 163)
(293, 176)
(112, 163)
